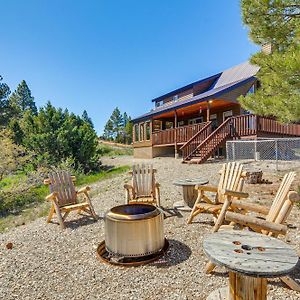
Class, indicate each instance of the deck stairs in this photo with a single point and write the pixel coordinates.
(203, 150)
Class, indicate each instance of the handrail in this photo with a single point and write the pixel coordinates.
(189, 147)
(183, 133)
(195, 135)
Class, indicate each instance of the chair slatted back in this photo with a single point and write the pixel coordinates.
(61, 183)
(231, 178)
(281, 198)
(143, 181)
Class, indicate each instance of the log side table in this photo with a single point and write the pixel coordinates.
(189, 192)
(251, 258)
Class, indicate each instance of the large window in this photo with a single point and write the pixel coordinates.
(136, 132)
(142, 132)
(148, 131)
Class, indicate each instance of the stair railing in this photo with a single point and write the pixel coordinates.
(195, 140)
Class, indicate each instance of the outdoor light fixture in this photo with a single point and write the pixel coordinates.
(210, 101)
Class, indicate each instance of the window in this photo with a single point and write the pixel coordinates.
(227, 114)
(148, 131)
(157, 125)
(136, 132)
(141, 132)
(180, 123)
(195, 120)
(159, 103)
(169, 125)
(175, 97)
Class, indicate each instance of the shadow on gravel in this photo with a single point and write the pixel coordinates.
(177, 253)
(83, 221)
(171, 212)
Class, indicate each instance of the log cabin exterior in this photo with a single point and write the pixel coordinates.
(195, 121)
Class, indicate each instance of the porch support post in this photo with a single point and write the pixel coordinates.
(208, 111)
(175, 134)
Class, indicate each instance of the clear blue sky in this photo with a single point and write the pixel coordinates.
(97, 55)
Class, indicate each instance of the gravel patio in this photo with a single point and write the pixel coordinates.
(47, 263)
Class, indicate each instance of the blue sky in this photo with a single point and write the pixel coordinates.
(97, 55)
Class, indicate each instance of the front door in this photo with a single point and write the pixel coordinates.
(214, 121)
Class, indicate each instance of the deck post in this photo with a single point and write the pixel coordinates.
(175, 134)
(208, 112)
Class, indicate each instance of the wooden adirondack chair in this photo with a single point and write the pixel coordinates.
(272, 224)
(144, 188)
(64, 197)
(232, 179)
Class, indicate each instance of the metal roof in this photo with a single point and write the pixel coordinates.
(242, 71)
(214, 93)
(224, 82)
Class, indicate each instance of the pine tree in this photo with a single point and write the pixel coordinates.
(108, 133)
(87, 119)
(4, 109)
(277, 23)
(21, 100)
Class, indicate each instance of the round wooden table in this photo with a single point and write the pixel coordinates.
(189, 192)
(251, 258)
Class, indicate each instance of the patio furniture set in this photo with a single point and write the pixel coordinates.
(251, 254)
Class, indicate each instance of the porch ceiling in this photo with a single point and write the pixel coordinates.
(195, 108)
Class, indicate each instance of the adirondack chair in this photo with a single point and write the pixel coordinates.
(64, 197)
(270, 221)
(232, 179)
(144, 188)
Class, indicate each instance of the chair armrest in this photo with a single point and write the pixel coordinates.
(157, 185)
(234, 194)
(250, 206)
(255, 223)
(47, 181)
(52, 196)
(128, 187)
(206, 188)
(83, 190)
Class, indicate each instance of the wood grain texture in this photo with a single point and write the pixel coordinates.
(64, 197)
(250, 253)
(144, 188)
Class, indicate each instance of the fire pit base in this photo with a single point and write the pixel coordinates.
(104, 256)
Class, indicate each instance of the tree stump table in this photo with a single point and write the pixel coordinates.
(251, 258)
(189, 192)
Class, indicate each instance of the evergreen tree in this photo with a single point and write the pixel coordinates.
(17, 132)
(87, 119)
(278, 23)
(4, 109)
(117, 121)
(108, 130)
(21, 100)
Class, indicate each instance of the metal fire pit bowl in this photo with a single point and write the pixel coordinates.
(134, 230)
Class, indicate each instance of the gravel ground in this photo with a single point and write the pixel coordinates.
(47, 263)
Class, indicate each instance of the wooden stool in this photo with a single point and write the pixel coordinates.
(251, 258)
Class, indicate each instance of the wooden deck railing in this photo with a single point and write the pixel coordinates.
(183, 134)
(269, 125)
(195, 140)
(239, 126)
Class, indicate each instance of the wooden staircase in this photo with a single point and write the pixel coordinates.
(203, 150)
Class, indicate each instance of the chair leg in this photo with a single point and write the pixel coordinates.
(59, 216)
(291, 283)
(91, 206)
(209, 267)
(52, 209)
(222, 214)
(194, 210)
(65, 215)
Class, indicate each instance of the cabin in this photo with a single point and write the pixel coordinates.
(196, 120)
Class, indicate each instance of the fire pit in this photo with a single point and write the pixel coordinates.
(134, 234)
